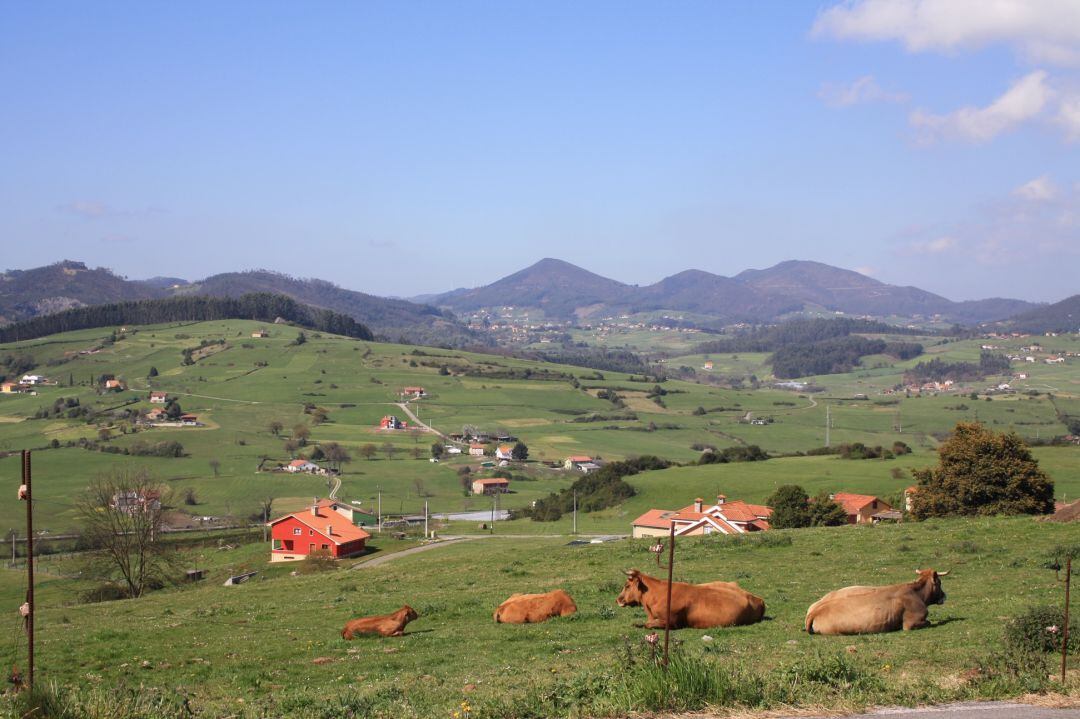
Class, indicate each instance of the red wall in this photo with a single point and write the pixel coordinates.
(283, 530)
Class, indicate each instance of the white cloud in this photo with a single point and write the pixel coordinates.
(1039, 189)
(1044, 31)
(85, 208)
(935, 246)
(1023, 101)
(863, 90)
(1068, 117)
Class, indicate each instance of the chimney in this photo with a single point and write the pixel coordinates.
(697, 504)
(314, 506)
(329, 530)
(721, 498)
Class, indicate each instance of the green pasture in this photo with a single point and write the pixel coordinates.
(241, 387)
(275, 641)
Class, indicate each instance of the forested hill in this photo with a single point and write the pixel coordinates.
(395, 320)
(28, 293)
(262, 307)
(1061, 316)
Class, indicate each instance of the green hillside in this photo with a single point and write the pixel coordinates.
(239, 385)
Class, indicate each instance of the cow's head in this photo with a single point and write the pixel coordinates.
(931, 580)
(632, 590)
(408, 613)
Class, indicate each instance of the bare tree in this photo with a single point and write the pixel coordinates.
(336, 455)
(389, 450)
(291, 445)
(416, 453)
(416, 433)
(215, 464)
(368, 451)
(275, 427)
(121, 516)
(300, 433)
(420, 487)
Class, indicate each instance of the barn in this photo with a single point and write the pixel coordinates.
(320, 527)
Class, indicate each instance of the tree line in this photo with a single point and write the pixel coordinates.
(799, 332)
(260, 306)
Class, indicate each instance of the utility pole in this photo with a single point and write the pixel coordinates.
(494, 501)
(266, 518)
(575, 511)
(426, 535)
(26, 495)
(380, 511)
(828, 424)
(14, 536)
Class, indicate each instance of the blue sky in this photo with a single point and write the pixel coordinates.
(408, 147)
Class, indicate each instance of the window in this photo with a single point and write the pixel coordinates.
(277, 544)
(311, 532)
(326, 546)
(296, 531)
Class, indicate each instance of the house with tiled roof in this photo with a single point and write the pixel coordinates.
(477, 450)
(322, 527)
(723, 517)
(159, 397)
(504, 451)
(863, 508)
(493, 485)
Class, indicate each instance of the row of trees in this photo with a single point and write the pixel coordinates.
(262, 306)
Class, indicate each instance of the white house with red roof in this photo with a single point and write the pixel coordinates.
(476, 450)
(302, 465)
(159, 397)
(323, 527)
(723, 517)
(575, 461)
(504, 451)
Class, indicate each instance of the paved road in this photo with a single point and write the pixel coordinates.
(383, 559)
(974, 710)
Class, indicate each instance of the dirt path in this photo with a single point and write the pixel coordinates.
(416, 420)
(337, 486)
(412, 550)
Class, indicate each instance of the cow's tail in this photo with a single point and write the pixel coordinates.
(809, 623)
(496, 617)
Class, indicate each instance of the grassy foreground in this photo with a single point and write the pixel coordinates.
(272, 647)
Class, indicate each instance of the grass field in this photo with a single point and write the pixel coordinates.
(248, 383)
(271, 647)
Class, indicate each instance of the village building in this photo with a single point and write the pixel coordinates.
(132, 502)
(476, 450)
(504, 451)
(303, 465)
(723, 517)
(864, 508)
(260, 334)
(577, 461)
(32, 379)
(392, 422)
(115, 384)
(494, 485)
(13, 388)
(189, 420)
(159, 397)
(323, 527)
(157, 414)
(416, 392)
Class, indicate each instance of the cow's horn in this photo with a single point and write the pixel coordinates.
(629, 572)
(945, 573)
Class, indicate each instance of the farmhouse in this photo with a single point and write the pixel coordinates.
(260, 334)
(115, 384)
(392, 422)
(157, 414)
(413, 392)
(132, 502)
(476, 450)
(723, 517)
(451, 449)
(189, 420)
(495, 485)
(321, 528)
(707, 366)
(13, 388)
(581, 463)
(159, 397)
(302, 465)
(32, 379)
(863, 508)
(504, 451)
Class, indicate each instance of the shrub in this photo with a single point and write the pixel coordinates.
(318, 561)
(1040, 629)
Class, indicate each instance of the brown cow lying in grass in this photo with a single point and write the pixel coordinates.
(716, 604)
(533, 608)
(388, 625)
(869, 610)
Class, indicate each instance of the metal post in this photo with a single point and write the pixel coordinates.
(426, 535)
(575, 511)
(1065, 629)
(670, 574)
(29, 567)
(14, 535)
(379, 518)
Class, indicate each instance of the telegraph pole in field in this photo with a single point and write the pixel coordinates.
(828, 424)
(25, 493)
(575, 511)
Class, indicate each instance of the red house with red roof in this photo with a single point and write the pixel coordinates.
(325, 526)
(864, 508)
(724, 517)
